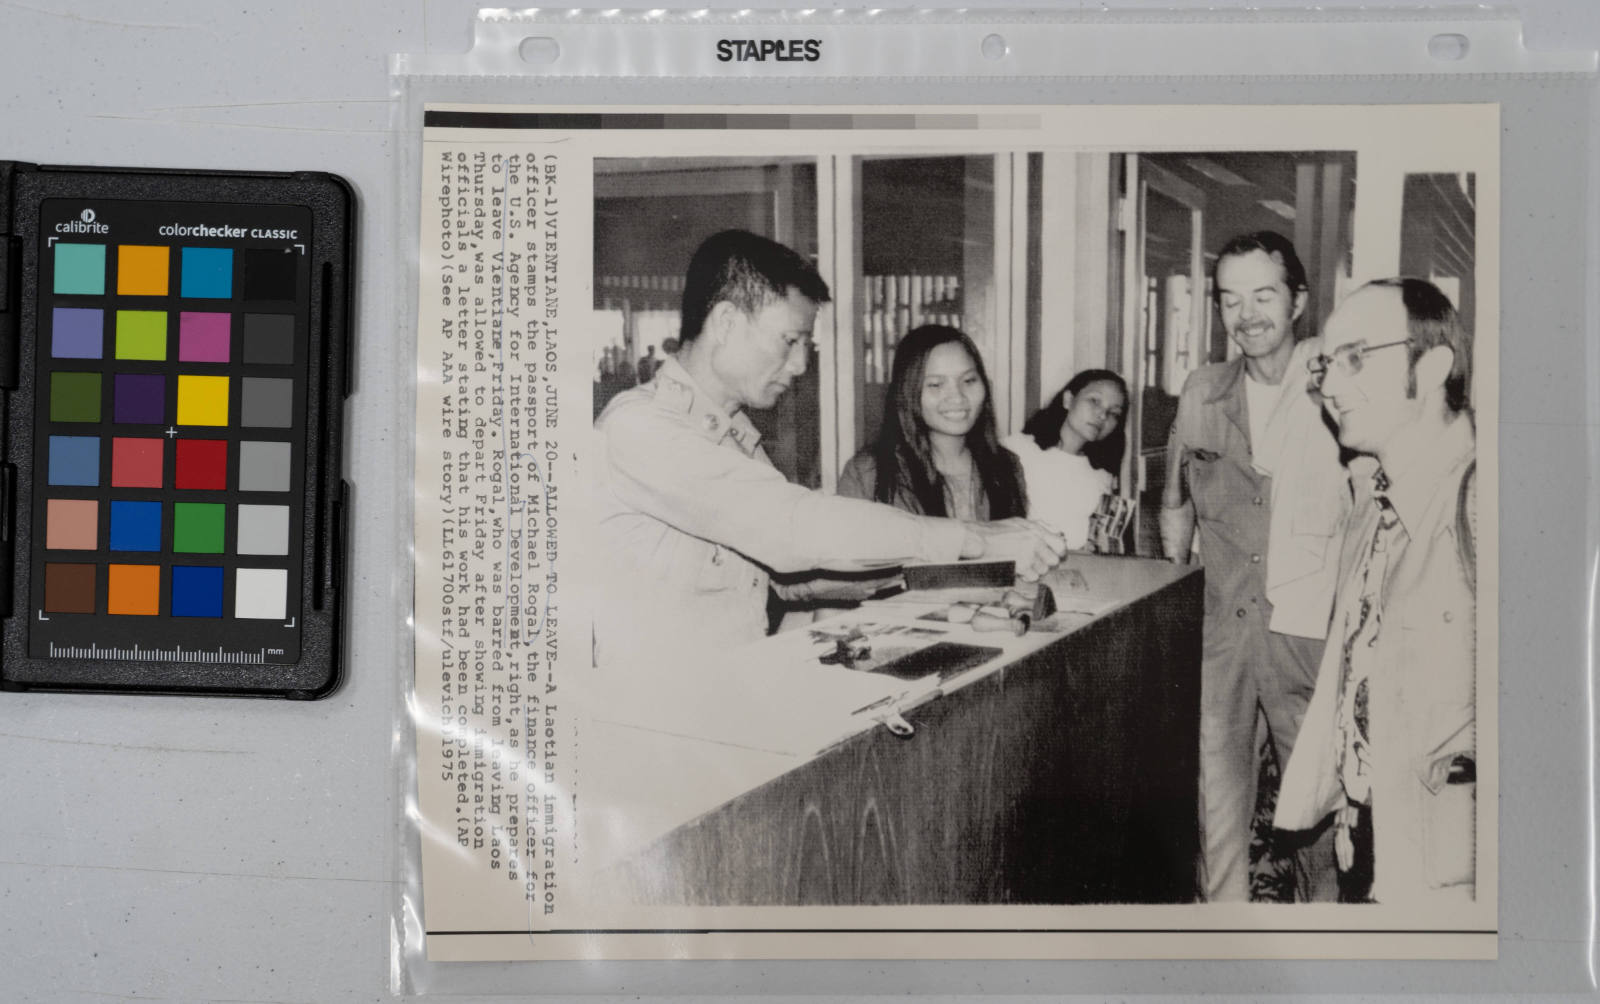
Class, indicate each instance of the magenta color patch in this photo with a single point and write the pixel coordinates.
(202, 337)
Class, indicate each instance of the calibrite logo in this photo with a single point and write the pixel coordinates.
(84, 224)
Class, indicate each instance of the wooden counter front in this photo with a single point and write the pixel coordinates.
(1066, 776)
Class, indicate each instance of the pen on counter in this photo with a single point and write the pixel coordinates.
(880, 702)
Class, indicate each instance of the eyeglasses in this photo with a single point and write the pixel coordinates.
(1346, 359)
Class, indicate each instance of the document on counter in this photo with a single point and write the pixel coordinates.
(796, 692)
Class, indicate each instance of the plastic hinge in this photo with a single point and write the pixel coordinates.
(10, 308)
(8, 536)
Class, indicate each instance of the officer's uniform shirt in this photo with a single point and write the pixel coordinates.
(693, 517)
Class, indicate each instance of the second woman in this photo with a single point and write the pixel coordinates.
(1071, 451)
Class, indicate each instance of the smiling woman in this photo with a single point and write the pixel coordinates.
(936, 452)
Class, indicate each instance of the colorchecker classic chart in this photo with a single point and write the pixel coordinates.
(172, 457)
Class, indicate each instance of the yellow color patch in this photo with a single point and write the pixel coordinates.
(142, 270)
(134, 589)
(202, 400)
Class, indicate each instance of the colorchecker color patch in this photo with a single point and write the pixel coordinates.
(175, 376)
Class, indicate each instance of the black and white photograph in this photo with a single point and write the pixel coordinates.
(1008, 521)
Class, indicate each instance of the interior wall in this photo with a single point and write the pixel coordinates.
(1075, 250)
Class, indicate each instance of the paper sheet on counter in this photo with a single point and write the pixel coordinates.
(774, 695)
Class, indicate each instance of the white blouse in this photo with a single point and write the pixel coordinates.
(1064, 489)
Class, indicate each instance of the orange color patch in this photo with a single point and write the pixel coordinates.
(134, 589)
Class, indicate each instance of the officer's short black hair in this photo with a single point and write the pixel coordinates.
(748, 271)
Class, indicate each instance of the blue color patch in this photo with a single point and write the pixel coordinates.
(196, 591)
(75, 460)
(207, 273)
(135, 526)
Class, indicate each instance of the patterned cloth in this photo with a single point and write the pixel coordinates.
(1360, 640)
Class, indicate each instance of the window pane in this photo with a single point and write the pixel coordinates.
(650, 216)
(1438, 236)
(927, 257)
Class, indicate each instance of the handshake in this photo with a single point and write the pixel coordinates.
(1032, 547)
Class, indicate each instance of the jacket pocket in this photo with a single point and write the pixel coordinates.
(1449, 835)
(1446, 772)
(1208, 481)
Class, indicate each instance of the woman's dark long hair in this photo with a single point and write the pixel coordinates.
(1045, 425)
(903, 453)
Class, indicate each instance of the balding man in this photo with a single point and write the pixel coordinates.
(1389, 743)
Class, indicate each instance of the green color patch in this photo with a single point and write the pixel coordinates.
(142, 334)
(197, 527)
(74, 397)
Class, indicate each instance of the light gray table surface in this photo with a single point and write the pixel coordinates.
(178, 849)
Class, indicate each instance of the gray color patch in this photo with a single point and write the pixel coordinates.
(267, 403)
(269, 339)
(263, 529)
(263, 467)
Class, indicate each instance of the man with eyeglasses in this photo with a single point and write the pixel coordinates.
(1388, 746)
(692, 516)
(1251, 462)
